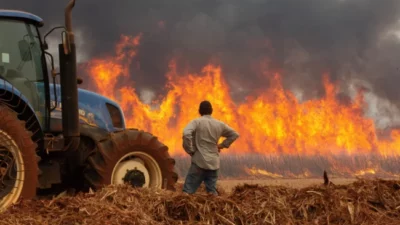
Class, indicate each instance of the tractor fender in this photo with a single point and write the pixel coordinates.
(14, 99)
(95, 133)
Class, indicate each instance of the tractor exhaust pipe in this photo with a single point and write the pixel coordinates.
(69, 86)
(68, 21)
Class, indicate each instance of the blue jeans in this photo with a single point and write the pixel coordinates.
(196, 176)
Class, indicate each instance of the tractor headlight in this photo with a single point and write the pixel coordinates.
(116, 116)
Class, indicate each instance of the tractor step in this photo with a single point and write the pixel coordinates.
(54, 143)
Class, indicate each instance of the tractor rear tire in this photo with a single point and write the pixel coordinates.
(141, 150)
(15, 138)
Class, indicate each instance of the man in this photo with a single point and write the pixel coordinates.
(200, 141)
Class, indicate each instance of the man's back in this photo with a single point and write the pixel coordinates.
(200, 139)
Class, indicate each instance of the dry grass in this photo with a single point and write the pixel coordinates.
(361, 202)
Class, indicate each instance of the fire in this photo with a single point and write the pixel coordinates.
(365, 172)
(270, 121)
(255, 171)
(108, 70)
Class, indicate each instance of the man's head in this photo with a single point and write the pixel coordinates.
(205, 108)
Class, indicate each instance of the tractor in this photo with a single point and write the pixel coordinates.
(54, 134)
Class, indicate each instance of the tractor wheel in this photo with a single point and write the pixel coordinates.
(131, 157)
(18, 160)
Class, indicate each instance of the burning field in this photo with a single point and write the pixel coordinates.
(311, 86)
(362, 202)
(270, 121)
(281, 135)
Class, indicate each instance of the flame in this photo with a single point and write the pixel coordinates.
(108, 70)
(273, 122)
(255, 171)
(365, 172)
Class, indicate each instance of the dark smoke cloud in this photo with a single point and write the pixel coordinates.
(300, 38)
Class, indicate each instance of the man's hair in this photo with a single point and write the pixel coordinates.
(205, 108)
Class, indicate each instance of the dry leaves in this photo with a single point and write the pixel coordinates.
(362, 202)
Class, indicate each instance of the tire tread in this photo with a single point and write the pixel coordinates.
(110, 150)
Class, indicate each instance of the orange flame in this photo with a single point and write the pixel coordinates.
(255, 171)
(365, 172)
(274, 122)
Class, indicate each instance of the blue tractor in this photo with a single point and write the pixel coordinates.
(57, 135)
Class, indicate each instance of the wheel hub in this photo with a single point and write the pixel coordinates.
(135, 178)
(121, 171)
(138, 169)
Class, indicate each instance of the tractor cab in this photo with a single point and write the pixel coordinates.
(22, 65)
(23, 73)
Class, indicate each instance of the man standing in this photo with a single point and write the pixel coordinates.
(200, 141)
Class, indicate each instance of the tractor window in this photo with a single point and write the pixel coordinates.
(21, 61)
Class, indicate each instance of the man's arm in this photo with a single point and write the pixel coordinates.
(188, 137)
(230, 134)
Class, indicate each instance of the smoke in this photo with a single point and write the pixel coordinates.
(146, 96)
(302, 39)
(54, 40)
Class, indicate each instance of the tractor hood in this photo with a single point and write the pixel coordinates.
(94, 109)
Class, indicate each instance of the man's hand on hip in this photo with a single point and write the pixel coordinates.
(219, 148)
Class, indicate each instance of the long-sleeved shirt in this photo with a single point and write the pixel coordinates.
(200, 140)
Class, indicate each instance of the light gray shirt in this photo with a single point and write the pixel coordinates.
(200, 140)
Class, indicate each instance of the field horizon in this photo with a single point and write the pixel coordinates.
(258, 166)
